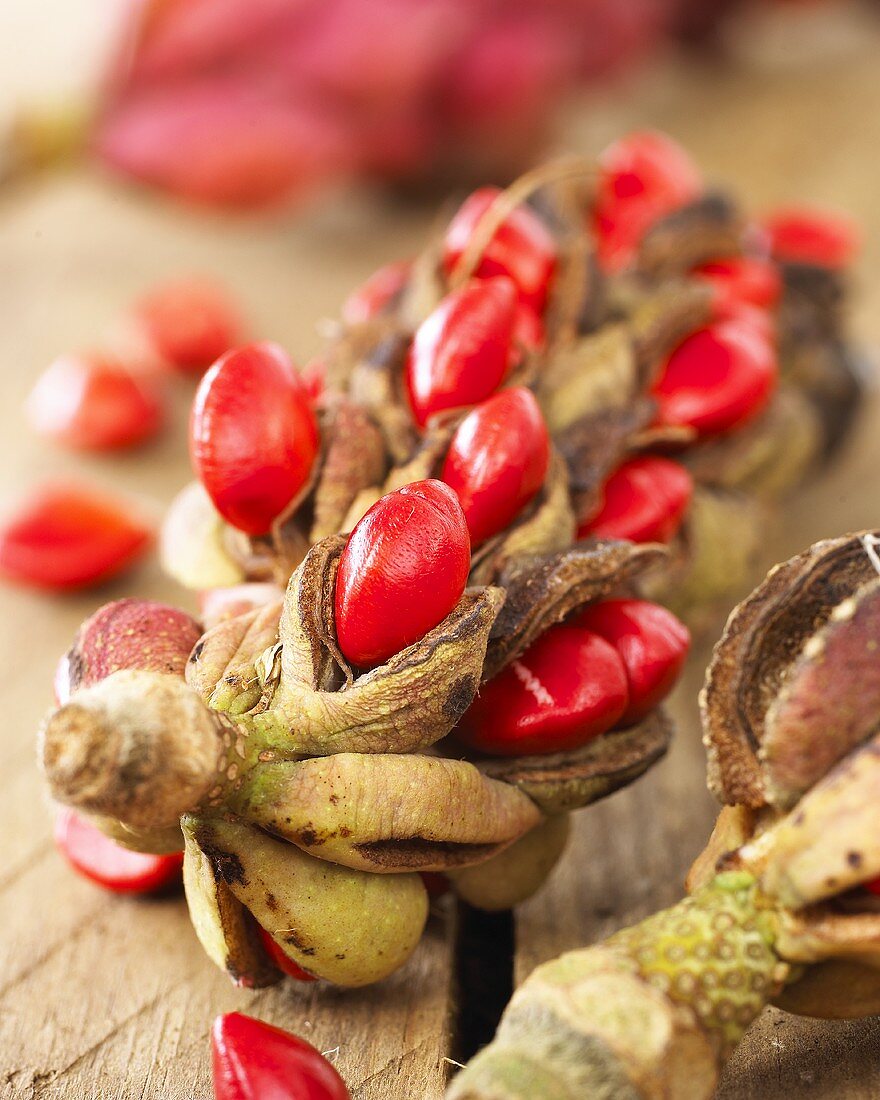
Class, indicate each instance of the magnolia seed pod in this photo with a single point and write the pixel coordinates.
(347, 926)
(516, 873)
(642, 1015)
(446, 814)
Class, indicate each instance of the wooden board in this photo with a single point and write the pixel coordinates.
(103, 997)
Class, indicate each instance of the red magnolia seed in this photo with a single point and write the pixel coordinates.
(108, 864)
(644, 500)
(651, 642)
(93, 403)
(190, 322)
(402, 571)
(255, 1061)
(377, 293)
(808, 236)
(281, 959)
(873, 886)
(461, 353)
(748, 279)
(497, 461)
(253, 435)
(718, 378)
(521, 248)
(642, 177)
(68, 536)
(567, 688)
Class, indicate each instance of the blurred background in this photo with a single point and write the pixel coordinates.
(286, 149)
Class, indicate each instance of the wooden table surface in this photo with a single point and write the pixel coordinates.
(106, 997)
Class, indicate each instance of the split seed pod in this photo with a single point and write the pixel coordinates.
(778, 910)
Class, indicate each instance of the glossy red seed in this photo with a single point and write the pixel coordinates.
(377, 293)
(461, 353)
(253, 435)
(522, 247)
(749, 279)
(652, 643)
(567, 688)
(281, 959)
(642, 177)
(497, 461)
(255, 1061)
(190, 322)
(716, 379)
(110, 865)
(94, 404)
(402, 571)
(873, 886)
(68, 536)
(644, 500)
(805, 235)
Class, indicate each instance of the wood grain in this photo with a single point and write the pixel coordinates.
(103, 997)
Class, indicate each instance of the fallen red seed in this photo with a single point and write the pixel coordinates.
(497, 461)
(281, 959)
(69, 536)
(642, 177)
(93, 403)
(717, 379)
(255, 1061)
(110, 865)
(253, 435)
(651, 642)
(376, 294)
(567, 688)
(190, 322)
(644, 500)
(806, 235)
(461, 353)
(521, 248)
(402, 571)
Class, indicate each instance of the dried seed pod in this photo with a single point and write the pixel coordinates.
(347, 926)
(752, 663)
(778, 911)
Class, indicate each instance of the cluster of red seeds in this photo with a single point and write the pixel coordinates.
(255, 439)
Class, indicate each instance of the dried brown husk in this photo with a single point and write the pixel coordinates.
(543, 590)
(705, 229)
(354, 459)
(384, 813)
(564, 781)
(763, 638)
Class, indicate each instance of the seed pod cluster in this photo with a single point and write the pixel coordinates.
(435, 643)
(783, 902)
